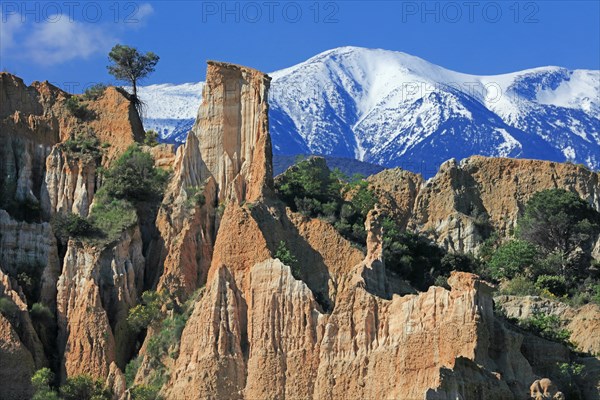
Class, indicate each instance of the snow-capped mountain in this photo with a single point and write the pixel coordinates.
(394, 109)
(171, 110)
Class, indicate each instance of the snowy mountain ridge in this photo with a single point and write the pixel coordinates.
(394, 109)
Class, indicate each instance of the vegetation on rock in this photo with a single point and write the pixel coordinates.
(8, 308)
(131, 180)
(83, 144)
(80, 387)
(94, 92)
(78, 109)
(134, 178)
(286, 257)
(551, 254)
(151, 138)
(546, 326)
(149, 311)
(310, 188)
(168, 320)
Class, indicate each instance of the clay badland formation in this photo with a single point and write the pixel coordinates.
(338, 326)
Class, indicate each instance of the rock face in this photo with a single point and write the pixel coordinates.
(70, 183)
(463, 201)
(39, 178)
(30, 245)
(232, 128)
(21, 351)
(17, 364)
(96, 289)
(396, 191)
(31, 122)
(337, 325)
(163, 155)
(582, 322)
(35, 118)
(273, 340)
(227, 157)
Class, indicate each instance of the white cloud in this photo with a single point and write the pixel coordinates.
(58, 39)
(51, 43)
(144, 11)
(9, 26)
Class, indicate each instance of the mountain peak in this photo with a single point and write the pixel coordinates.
(394, 109)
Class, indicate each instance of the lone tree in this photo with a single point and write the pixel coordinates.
(129, 65)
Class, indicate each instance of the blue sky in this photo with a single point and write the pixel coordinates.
(67, 42)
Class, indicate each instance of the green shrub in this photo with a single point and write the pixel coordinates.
(546, 326)
(195, 196)
(94, 92)
(571, 369)
(79, 110)
(27, 209)
(556, 219)
(151, 138)
(458, 262)
(586, 292)
(412, 256)
(311, 189)
(569, 373)
(286, 257)
(552, 264)
(488, 247)
(519, 286)
(512, 258)
(363, 200)
(557, 285)
(133, 177)
(39, 312)
(166, 338)
(165, 342)
(41, 381)
(131, 370)
(596, 293)
(83, 387)
(29, 278)
(8, 308)
(70, 225)
(308, 179)
(148, 312)
(83, 144)
(442, 281)
(145, 392)
(111, 217)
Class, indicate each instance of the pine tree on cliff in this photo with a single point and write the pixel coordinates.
(129, 65)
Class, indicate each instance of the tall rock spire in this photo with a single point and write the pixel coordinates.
(233, 131)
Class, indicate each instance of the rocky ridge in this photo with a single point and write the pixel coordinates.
(465, 201)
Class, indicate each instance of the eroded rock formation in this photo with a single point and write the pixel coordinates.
(35, 118)
(21, 351)
(39, 178)
(232, 128)
(582, 322)
(70, 183)
(464, 201)
(227, 158)
(96, 289)
(338, 325)
(334, 324)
